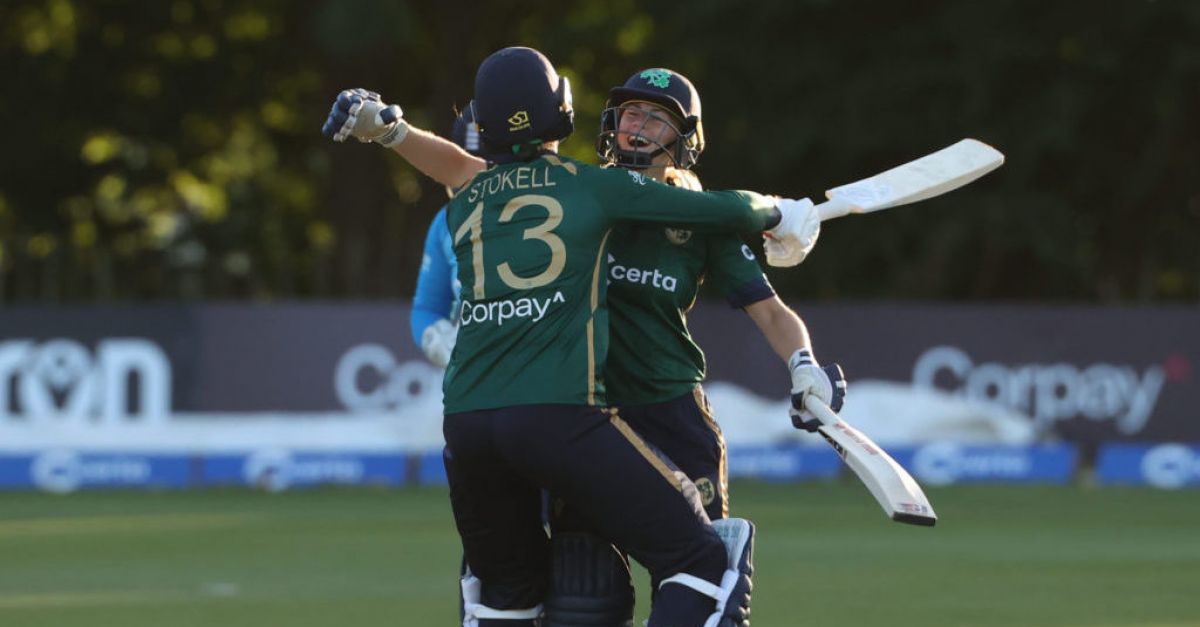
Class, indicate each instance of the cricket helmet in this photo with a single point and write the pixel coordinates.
(520, 103)
(673, 92)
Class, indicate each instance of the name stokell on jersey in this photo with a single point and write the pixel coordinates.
(531, 243)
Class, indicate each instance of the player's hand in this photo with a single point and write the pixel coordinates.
(363, 115)
(437, 342)
(791, 240)
(827, 384)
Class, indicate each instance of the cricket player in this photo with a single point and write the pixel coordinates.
(652, 124)
(523, 390)
(437, 282)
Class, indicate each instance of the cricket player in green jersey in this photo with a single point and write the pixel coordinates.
(520, 416)
(652, 124)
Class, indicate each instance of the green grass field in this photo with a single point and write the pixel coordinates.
(826, 557)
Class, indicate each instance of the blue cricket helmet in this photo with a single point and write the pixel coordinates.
(668, 89)
(520, 103)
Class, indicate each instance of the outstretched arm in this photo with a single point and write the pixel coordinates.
(439, 159)
(363, 115)
(629, 195)
(792, 225)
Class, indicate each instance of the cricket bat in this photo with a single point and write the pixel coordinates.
(932, 175)
(891, 485)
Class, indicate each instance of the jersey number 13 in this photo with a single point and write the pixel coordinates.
(543, 232)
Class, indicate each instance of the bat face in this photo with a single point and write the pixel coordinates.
(863, 442)
(931, 175)
(893, 488)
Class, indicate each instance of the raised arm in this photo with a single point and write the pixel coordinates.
(790, 226)
(439, 159)
(628, 195)
(363, 115)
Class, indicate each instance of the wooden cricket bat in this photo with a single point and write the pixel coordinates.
(932, 175)
(896, 491)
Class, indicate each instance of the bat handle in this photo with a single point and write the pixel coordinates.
(835, 207)
(820, 410)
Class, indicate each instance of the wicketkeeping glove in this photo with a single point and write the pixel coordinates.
(827, 384)
(363, 115)
(791, 240)
(437, 342)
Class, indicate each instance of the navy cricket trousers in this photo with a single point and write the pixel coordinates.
(498, 461)
(684, 430)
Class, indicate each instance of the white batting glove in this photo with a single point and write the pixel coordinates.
(437, 342)
(363, 115)
(790, 241)
(827, 384)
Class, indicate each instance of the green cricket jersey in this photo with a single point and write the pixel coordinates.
(654, 275)
(531, 242)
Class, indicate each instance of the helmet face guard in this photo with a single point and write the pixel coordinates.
(674, 94)
(682, 149)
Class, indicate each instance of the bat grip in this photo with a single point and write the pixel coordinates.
(835, 207)
(820, 410)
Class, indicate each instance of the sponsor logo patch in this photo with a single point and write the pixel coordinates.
(518, 121)
(657, 77)
(500, 311)
(652, 277)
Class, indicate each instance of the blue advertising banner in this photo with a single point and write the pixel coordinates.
(945, 463)
(281, 469)
(430, 469)
(270, 469)
(14, 472)
(63, 470)
(1168, 466)
(783, 463)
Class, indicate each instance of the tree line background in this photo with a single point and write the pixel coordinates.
(170, 150)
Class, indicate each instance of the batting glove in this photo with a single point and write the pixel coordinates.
(790, 241)
(827, 384)
(363, 115)
(437, 342)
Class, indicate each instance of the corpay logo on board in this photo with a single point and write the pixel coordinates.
(1047, 392)
(369, 378)
(123, 380)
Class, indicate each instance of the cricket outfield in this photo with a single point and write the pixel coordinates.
(1011, 556)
